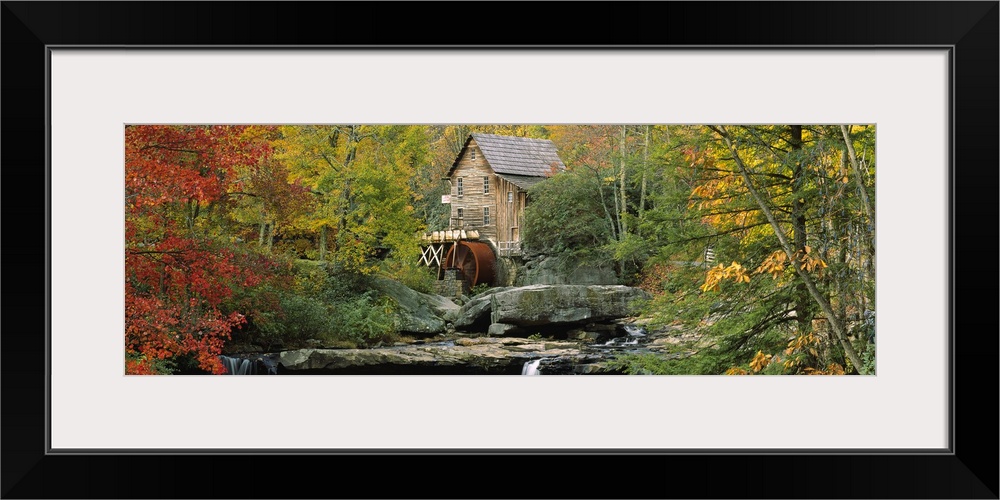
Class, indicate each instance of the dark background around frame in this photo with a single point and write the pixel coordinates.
(971, 472)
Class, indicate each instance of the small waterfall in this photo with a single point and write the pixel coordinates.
(245, 366)
(237, 366)
(633, 337)
(531, 368)
(635, 331)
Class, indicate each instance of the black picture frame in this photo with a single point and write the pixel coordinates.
(968, 470)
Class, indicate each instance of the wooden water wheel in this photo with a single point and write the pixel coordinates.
(474, 260)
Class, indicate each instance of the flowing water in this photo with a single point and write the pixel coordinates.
(588, 357)
(633, 336)
(531, 368)
(258, 365)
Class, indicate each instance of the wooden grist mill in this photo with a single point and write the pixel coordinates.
(489, 182)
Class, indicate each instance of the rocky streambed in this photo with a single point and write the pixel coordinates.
(587, 354)
(538, 329)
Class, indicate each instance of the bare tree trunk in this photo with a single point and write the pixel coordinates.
(270, 236)
(868, 266)
(835, 323)
(604, 205)
(857, 172)
(623, 225)
(803, 309)
(190, 214)
(353, 138)
(645, 170)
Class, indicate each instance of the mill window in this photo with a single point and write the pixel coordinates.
(486, 216)
(461, 189)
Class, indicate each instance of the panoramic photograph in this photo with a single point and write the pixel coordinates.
(491, 249)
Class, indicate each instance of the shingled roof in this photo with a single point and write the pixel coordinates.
(517, 156)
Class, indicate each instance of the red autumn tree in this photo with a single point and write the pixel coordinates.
(179, 278)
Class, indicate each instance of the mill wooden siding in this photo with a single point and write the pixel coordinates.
(504, 216)
(473, 200)
(509, 215)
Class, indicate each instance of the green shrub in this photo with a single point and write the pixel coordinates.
(337, 307)
(368, 320)
(654, 364)
(565, 216)
(299, 318)
(310, 278)
(414, 276)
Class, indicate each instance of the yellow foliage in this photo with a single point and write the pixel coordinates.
(717, 274)
(774, 264)
(737, 371)
(760, 361)
(831, 369)
(835, 369)
(802, 342)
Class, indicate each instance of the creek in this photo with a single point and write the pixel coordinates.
(577, 352)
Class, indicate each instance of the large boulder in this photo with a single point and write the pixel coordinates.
(564, 304)
(556, 270)
(474, 316)
(419, 313)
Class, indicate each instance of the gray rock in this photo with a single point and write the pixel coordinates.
(581, 334)
(481, 355)
(501, 329)
(564, 304)
(476, 311)
(419, 312)
(554, 270)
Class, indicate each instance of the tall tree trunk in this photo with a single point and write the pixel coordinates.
(803, 311)
(604, 205)
(190, 214)
(835, 323)
(645, 170)
(868, 264)
(869, 212)
(270, 236)
(624, 198)
(353, 138)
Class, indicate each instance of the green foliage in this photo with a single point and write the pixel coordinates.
(298, 318)
(360, 176)
(478, 289)
(414, 276)
(367, 320)
(325, 303)
(564, 216)
(658, 364)
(868, 359)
